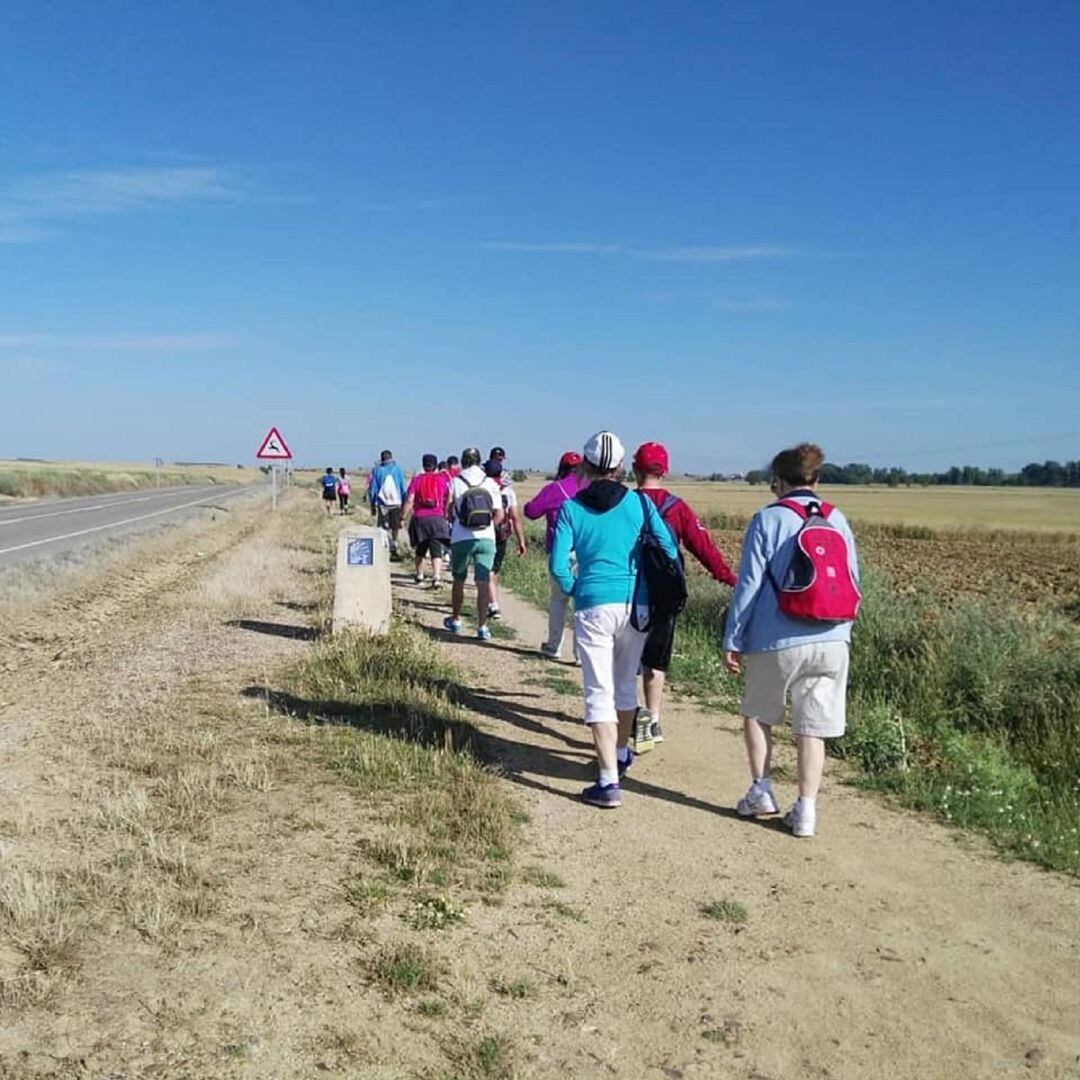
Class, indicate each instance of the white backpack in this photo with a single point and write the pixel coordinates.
(388, 491)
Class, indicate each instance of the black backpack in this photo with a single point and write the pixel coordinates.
(663, 575)
(476, 508)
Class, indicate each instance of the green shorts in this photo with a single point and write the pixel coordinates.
(481, 553)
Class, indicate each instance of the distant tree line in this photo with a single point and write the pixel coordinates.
(1047, 474)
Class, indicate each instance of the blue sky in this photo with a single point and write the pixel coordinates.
(724, 226)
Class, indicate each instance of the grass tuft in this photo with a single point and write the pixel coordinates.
(729, 911)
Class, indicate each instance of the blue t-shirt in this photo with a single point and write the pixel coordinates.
(329, 482)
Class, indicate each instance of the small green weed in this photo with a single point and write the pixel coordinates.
(436, 913)
(565, 910)
(433, 1007)
(729, 911)
(491, 1058)
(406, 969)
(518, 989)
(368, 894)
(543, 879)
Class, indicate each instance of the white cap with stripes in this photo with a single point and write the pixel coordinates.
(605, 451)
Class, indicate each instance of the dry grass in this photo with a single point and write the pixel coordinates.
(1011, 508)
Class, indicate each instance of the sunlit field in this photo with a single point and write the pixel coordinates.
(984, 508)
(35, 479)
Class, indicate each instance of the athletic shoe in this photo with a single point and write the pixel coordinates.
(418, 579)
(452, 624)
(641, 733)
(757, 802)
(607, 796)
(483, 633)
(436, 583)
(494, 612)
(800, 820)
(624, 765)
(657, 734)
(548, 651)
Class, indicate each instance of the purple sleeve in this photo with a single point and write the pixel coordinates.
(544, 501)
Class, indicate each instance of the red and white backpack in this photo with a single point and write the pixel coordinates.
(818, 584)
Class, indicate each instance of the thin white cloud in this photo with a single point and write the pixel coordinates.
(28, 206)
(555, 248)
(122, 343)
(696, 254)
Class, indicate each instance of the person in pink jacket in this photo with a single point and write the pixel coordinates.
(547, 503)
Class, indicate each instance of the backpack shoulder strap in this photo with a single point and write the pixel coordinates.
(795, 506)
(669, 503)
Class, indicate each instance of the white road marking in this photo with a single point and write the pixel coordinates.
(112, 525)
(80, 509)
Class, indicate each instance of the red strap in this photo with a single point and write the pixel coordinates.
(800, 509)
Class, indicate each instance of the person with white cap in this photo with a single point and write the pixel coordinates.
(603, 528)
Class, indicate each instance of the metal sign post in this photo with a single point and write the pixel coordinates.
(274, 449)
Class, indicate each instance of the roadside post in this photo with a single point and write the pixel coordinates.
(274, 449)
(158, 462)
(362, 580)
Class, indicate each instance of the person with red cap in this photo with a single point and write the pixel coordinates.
(650, 467)
(547, 503)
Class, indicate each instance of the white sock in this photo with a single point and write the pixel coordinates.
(763, 783)
(609, 776)
(656, 718)
(623, 754)
(809, 805)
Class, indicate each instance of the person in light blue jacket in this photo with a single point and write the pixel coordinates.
(386, 493)
(602, 527)
(785, 658)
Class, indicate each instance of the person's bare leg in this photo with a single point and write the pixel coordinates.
(418, 569)
(626, 724)
(483, 600)
(493, 590)
(457, 598)
(758, 739)
(653, 684)
(811, 757)
(605, 737)
(436, 567)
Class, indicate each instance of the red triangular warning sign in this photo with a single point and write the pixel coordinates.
(274, 447)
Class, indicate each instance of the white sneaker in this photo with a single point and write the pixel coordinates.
(757, 802)
(548, 651)
(800, 820)
(641, 731)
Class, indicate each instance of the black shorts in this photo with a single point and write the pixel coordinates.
(659, 644)
(329, 494)
(429, 536)
(390, 518)
(500, 555)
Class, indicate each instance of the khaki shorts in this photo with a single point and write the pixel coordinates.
(814, 677)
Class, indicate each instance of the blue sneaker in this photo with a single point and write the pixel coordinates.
(624, 765)
(607, 797)
(452, 624)
(483, 633)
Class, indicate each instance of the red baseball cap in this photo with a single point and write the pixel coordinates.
(651, 458)
(570, 460)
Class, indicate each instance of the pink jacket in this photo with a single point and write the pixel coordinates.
(548, 501)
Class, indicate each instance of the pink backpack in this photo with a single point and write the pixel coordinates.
(818, 584)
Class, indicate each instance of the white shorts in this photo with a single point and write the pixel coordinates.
(610, 652)
(813, 676)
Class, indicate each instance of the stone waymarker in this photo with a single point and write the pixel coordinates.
(362, 582)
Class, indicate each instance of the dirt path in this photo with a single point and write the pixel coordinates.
(174, 857)
(886, 946)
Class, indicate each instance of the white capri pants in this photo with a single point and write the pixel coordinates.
(610, 652)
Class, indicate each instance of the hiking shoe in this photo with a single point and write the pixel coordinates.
(657, 734)
(483, 633)
(757, 802)
(548, 651)
(452, 624)
(607, 796)
(436, 583)
(418, 579)
(800, 820)
(494, 612)
(641, 733)
(624, 765)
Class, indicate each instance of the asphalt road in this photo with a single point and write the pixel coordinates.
(53, 526)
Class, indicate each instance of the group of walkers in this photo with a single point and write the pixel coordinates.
(615, 552)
